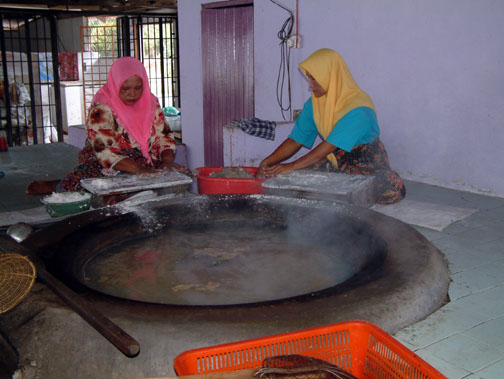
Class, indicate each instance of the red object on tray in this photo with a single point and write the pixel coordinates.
(4, 146)
(226, 186)
(68, 66)
(358, 347)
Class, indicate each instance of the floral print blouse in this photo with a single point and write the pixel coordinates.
(111, 142)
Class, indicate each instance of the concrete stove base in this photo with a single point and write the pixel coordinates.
(54, 342)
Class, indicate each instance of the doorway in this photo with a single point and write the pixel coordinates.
(228, 71)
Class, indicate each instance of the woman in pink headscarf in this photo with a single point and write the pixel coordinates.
(126, 132)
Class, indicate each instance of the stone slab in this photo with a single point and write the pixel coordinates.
(354, 189)
(111, 185)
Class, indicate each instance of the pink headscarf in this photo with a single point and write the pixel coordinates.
(136, 118)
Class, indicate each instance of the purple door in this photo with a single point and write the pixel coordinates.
(228, 71)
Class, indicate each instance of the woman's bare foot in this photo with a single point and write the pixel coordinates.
(42, 187)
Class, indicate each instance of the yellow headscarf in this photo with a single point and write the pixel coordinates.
(342, 92)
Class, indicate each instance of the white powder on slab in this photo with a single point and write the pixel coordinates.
(138, 206)
(318, 182)
(110, 185)
(66, 197)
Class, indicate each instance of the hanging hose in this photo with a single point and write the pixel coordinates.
(284, 68)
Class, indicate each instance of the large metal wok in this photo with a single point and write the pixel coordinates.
(216, 251)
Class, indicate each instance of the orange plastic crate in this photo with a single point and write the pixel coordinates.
(358, 347)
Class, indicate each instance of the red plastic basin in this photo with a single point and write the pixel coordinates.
(222, 186)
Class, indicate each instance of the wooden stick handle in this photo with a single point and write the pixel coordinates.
(118, 337)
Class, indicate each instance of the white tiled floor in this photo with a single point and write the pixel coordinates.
(465, 338)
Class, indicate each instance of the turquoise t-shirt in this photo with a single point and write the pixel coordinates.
(357, 127)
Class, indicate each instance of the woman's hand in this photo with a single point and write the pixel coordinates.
(266, 171)
(261, 171)
(268, 166)
(132, 167)
(168, 160)
(278, 169)
(145, 170)
(171, 166)
(168, 163)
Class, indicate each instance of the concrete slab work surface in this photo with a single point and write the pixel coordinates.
(119, 184)
(354, 189)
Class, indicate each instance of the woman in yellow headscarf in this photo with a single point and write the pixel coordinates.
(345, 117)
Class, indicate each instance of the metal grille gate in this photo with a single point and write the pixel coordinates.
(29, 84)
(153, 40)
(30, 96)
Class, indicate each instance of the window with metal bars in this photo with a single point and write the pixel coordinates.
(153, 40)
(29, 90)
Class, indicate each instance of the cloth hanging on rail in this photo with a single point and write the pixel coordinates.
(257, 127)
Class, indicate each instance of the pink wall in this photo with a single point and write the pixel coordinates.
(433, 69)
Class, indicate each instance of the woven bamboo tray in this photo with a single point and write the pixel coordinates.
(17, 275)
